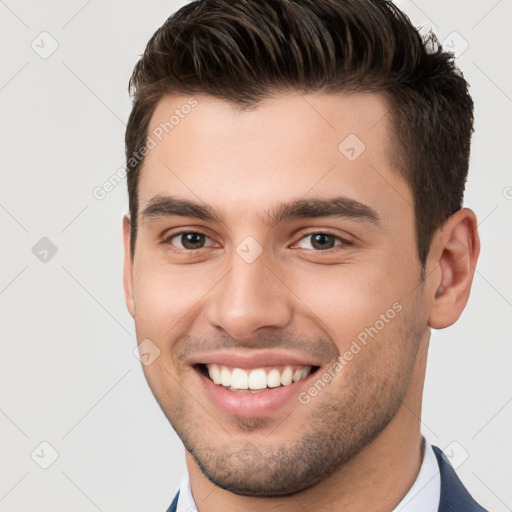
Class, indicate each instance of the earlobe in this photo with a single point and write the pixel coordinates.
(452, 260)
(128, 267)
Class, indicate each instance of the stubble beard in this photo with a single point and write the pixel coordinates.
(340, 421)
(338, 428)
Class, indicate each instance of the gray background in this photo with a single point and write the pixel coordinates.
(68, 373)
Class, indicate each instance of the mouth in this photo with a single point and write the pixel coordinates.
(253, 384)
(255, 380)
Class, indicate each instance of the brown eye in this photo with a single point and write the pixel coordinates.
(189, 240)
(319, 241)
(322, 241)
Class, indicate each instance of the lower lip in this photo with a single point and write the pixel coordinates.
(250, 405)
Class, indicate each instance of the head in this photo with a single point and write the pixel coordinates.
(302, 212)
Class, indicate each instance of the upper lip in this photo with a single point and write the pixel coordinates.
(253, 359)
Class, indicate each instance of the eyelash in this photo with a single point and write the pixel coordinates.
(177, 250)
(303, 235)
(343, 241)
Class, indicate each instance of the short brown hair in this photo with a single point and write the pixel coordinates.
(245, 50)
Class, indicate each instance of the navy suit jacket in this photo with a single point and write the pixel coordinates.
(454, 496)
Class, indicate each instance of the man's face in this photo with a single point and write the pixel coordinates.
(276, 252)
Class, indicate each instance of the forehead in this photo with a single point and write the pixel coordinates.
(288, 146)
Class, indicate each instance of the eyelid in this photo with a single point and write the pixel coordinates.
(305, 233)
(166, 238)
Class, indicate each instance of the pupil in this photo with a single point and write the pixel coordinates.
(322, 241)
(192, 240)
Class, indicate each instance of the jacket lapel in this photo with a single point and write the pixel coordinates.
(174, 503)
(454, 496)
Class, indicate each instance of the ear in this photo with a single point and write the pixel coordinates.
(451, 266)
(128, 266)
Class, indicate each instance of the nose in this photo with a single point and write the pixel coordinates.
(250, 298)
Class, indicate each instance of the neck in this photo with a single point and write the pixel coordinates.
(377, 478)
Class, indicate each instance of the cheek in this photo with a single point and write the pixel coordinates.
(346, 299)
(164, 299)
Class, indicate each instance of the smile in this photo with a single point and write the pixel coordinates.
(256, 379)
(253, 384)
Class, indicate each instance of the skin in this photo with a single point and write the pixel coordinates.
(357, 444)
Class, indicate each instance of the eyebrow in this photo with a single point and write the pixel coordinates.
(167, 206)
(331, 207)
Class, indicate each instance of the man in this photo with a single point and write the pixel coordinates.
(296, 177)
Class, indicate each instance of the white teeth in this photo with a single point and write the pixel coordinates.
(257, 379)
(273, 378)
(287, 376)
(214, 372)
(300, 374)
(239, 379)
(297, 375)
(225, 377)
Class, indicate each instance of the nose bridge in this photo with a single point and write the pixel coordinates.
(249, 297)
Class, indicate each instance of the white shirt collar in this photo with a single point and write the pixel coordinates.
(423, 496)
(425, 493)
(185, 501)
